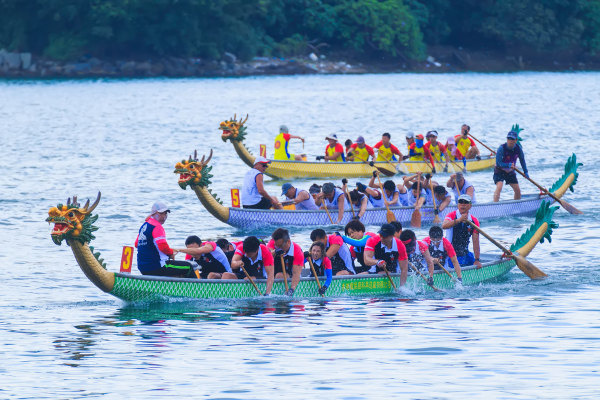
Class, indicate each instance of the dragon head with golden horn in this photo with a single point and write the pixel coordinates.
(194, 172)
(233, 129)
(73, 222)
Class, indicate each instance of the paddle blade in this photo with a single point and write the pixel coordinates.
(415, 219)
(528, 268)
(571, 209)
(386, 172)
(437, 220)
(390, 216)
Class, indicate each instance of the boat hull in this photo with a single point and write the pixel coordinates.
(252, 219)
(147, 288)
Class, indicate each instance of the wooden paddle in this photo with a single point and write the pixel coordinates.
(447, 272)
(344, 182)
(382, 170)
(250, 279)
(436, 218)
(314, 271)
(415, 218)
(327, 211)
(571, 209)
(422, 276)
(405, 170)
(285, 281)
(524, 265)
(389, 215)
(387, 273)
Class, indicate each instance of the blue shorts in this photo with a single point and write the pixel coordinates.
(467, 259)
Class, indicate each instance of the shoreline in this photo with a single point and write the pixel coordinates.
(439, 60)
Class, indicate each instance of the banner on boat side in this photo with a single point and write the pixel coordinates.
(263, 150)
(235, 198)
(126, 259)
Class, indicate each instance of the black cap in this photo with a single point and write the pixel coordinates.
(387, 230)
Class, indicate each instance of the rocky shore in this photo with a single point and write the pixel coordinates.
(26, 65)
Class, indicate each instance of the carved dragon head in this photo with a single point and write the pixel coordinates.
(233, 129)
(72, 222)
(194, 172)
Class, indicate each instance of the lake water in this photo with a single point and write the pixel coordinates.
(61, 337)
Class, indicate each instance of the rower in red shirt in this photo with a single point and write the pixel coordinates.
(442, 251)
(293, 257)
(385, 249)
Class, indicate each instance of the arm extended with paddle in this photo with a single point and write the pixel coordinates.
(570, 208)
(524, 265)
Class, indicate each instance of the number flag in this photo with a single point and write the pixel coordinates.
(263, 150)
(126, 259)
(235, 198)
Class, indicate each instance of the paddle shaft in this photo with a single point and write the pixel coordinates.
(388, 161)
(250, 279)
(422, 276)
(436, 218)
(387, 273)
(372, 165)
(563, 203)
(285, 281)
(327, 211)
(446, 271)
(349, 200)
(415, 218)
(314, 271)
(389, 215)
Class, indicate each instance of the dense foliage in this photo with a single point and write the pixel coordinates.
(67, 29)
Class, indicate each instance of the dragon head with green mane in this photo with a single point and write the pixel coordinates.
(233, 129)
(570, 168)
(194, 172)
(73, 222)
(543, 215)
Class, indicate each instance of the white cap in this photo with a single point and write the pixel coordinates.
(410, 134)
(464, 197)
(160, 207)
(333, 136)
(261, 159)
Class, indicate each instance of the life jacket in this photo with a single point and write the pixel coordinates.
(288, 260)
(149, 258)
(438, 252)
(360, 154)
(385, 153)
(320, 266)
(415, 254)
(510, 157)
(281, 147)
(256, 268)
(390, 256)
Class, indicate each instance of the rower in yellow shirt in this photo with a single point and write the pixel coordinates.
(281, 145)
(465, 145)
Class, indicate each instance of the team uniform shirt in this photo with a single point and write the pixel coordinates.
(342, 260)
(321, 265)
(294, 256)
(153, 249)
(463, 190)
(376, 202)
(419, 153)
(329, 151)
(436, 151)
(256, 267)
(391, 256)
(250, 195)
(411, 199)
(438, 203)
(362, 154)
(308, 204)
(334, 203)
(455, 154)
(215, 261)
(386, 153)
(505, 157)
(416, 254)
(443, 251)
(357, 251)
(460, 235)
(281, 147)
(390, 198)
(463, 144)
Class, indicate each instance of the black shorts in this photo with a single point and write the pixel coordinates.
(208, 267)
(181, 269)
(360, 269)
(337, 265)
(263, 204)
(508, 177)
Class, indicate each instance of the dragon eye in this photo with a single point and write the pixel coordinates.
(192, 166)
(71, 214)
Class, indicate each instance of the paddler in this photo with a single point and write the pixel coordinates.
(459, 233)
(417, 152)
(442, 251)
(211, 258)
(293, 257)
(410, 139)
(465, 145)
(321, 263)
(334, 150)
(301, 198)
(332, 198)
(361, 151)
(256, 259)
(418, 253)
(356, 238)
(441, 197)
(281, 145)
(386, 151)
(506, 162)
(436, 149)
(387, 250)
(464, 186)
(336, 250)
(254, 194)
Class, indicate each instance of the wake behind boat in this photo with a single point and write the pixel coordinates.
(75, 225)
(196, 174)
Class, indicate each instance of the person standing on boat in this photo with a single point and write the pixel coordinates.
(386, 249)
(334, 150)
(281, 145)
(321, 263)
(361, 151)
(336, 250)
(293, 257)
(257, 259)
(506, 162)
(332, 198)
(386, 151)
(356, 237)
(154, 253)
(417, 252)
(465, 145)
(464, 186)
(436, 149)
(442, 251)
(209, 256)
(302, 199)
(254, 194)
(459, 233)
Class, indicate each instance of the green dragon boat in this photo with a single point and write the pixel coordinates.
(74, 224)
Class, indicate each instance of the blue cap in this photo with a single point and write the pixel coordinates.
(512, 135)
(285, 187)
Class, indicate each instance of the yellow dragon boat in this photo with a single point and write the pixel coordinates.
(235, 131)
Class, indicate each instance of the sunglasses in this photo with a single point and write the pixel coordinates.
(464, 202)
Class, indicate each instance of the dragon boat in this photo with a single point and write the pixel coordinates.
(75, 225)
(196, 174)
(235, 131)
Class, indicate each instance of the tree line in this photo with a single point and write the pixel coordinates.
(68, 29)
